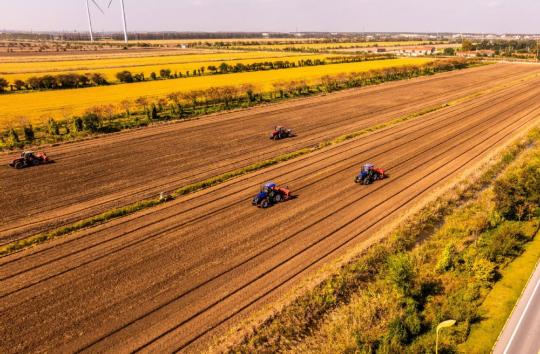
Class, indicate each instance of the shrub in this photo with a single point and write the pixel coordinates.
(447, 260)
(401, 273)
(29, 133)
(517, 196)
(505, 241)
(91, 122)
(153, 113)
(165, 73)
(98, 79)
(484, 271)
(3, 84)
(13, 137)
(125, 76)
(19, 85)
(78, 124)
(52, 127)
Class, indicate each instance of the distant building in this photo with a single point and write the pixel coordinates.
(415, 51)
(266, 35)
(476, 53)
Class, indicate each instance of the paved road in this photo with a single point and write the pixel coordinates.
(522, 331)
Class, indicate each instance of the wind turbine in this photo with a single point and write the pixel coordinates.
(123, 18)
(90, 17)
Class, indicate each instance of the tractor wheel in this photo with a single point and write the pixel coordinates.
(255, 201)
(278, 198)
(265, 204)
(19, 165)
(357, 180)
(366, 181)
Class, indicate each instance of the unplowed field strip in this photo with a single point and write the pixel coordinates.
(169, 278)
(93, 176)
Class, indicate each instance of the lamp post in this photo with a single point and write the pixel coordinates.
(444, 324)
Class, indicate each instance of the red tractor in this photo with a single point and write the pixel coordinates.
(281, 133)
(29, 159)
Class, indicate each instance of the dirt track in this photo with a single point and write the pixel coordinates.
(170, 277)
(93, 176)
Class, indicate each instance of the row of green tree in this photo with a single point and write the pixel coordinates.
(54, 82)
(330, 41)
(510, 48)
(73, 80)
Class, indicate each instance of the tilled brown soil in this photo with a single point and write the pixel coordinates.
(169, 278)
(90, 177)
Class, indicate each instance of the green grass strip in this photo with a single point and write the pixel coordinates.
(86, 223)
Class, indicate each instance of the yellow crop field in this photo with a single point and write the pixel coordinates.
(78, 65)
(105, 54)
(39, 106)
(175, 64)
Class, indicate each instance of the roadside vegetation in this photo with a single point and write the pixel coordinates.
(438, 265)
(500, 301)
(125, 114)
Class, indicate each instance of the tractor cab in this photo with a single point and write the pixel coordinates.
(365, 171)
(367, 167)
(27, 155)
(266, 189)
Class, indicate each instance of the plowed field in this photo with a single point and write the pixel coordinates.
(97, 175)
(168, 278)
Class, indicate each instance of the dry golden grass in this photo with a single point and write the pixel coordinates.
(39, 106)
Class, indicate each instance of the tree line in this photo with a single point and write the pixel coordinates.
(55, 82)
(518, 48)
(73, 80)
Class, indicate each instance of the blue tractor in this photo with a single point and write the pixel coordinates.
(370, 174)
(270, 194)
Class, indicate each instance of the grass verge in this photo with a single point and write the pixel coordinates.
(500, 301)
(213, 181)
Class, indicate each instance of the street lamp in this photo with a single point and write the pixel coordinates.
(444, 324)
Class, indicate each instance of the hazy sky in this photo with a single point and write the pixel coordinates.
(499, 16)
